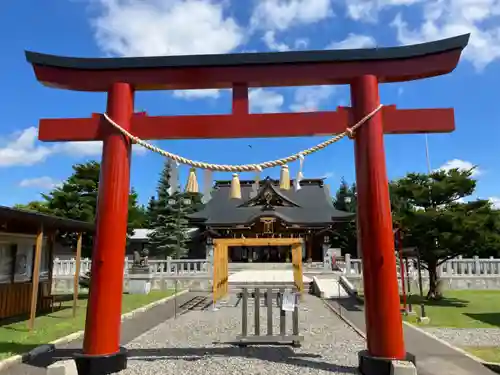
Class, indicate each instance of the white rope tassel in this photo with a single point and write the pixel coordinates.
(300, 175)
(207, 186)
(174, 176)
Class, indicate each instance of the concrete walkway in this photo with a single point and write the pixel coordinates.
(265, 276)
(433, 357)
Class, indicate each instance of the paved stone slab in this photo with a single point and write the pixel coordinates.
(265, 276)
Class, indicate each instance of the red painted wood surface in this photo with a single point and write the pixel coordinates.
(396, 121)
(15, 299)
(277, 75)
(384, 329)
(102, 326)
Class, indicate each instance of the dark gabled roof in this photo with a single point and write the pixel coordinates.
(311, 205)
(24, 221)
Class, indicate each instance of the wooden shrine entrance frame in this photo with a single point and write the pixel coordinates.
(220, 285)
(362, 69)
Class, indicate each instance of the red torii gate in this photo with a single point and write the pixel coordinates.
(362, 69)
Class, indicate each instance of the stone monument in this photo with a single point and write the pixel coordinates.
(140, 274)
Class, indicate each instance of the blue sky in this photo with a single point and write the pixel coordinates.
(98, 28)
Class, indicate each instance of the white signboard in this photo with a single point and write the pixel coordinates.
(288, 301)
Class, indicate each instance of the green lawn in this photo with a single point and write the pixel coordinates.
(15, 338)
(462, 309)
(486, 353)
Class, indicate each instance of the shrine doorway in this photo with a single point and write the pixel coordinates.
(260, 254)
(221, 259)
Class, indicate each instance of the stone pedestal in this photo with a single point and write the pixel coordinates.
(139, 280)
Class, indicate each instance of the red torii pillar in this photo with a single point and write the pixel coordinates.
(362, 69)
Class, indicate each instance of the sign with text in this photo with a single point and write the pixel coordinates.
(288, 301)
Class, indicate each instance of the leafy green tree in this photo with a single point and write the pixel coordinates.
(345, 236)
(34, 206)
(429, 210)
(76, 198)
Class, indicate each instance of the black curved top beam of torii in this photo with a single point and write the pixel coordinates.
(295, 68)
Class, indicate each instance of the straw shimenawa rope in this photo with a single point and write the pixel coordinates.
(244, 167)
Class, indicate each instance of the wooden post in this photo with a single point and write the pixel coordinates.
(297, 266)
(102, 325)
(384, 327)
(309, 248)
(77, 272)
(36, 277)
(215, 273)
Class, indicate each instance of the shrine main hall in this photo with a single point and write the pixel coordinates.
(267, 211)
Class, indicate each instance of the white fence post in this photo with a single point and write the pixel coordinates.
(347, 259)
(465, 267)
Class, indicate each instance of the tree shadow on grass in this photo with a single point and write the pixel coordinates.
(4, 323)
(17, 348)
(443, 302)
(58, 298)
(492, 318)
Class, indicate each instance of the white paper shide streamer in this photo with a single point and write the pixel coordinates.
(174, 176)
(300, 175)
(256, 183)
(207, 186)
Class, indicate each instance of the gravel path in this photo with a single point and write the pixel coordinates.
(186, 345)
(468, 336)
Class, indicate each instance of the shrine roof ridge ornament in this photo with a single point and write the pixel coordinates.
(293, 68)
(305, 181)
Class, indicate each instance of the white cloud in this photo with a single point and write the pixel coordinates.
(273, 44)
(441, 19)
(301, 43)
(44, 182)
(460, 165)
(269, 40)
(367, 10)
(328, 175)
(265, 101)
(353, 41)
(309, 98)
(447, 18)
(283, 14)
(168, 27)
(23, 149)
(495, 201)
(89, 149)
(197, 94)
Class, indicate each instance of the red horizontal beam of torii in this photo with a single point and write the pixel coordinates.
(396, 121)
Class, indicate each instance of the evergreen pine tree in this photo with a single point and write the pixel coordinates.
(151, 211)
(168, 219)
(345, 236)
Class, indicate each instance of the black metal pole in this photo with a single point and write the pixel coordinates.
(422, 307)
